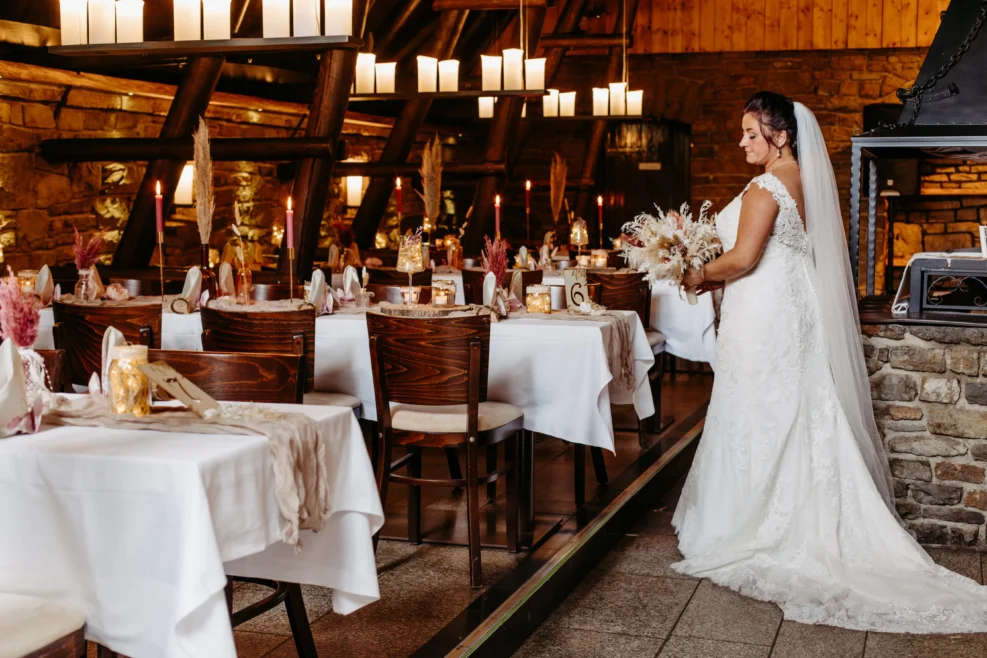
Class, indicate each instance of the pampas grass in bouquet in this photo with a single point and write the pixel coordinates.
(431, 171)
(205, 203)
(669, 244)
(556, 190)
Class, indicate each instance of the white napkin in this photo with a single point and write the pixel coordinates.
(226, 284)
(100, 288)
(489, 288)
(113, 337)
(351, 282)
(523, 253)
(44, 286)
(191, 291)
(516, 284)
(16, 414)
(317, 292)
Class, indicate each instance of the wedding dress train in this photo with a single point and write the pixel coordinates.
(780, 504)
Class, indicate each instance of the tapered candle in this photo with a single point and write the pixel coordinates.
(188, 20)
(599, 210)
(339, 17)
(534, 73)
(635, 102)
(102, 21)
(601, 101)
(277, 18)
(427, 73)
(618, 98)
(550, 103)
(365, 73)
(397, 195)
(449, 75)
(513, 68)
(216, 19)
(527, 196)
(158, 208)
(130, 21)
(73, 22)
(490, 72)
(385, 77)
(289, 225)
(497, 216)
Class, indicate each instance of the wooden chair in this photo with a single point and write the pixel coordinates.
(146, 286)
(240, 376)
(389, 276)
(266, 292)
(79, 331)
(434, 373)
(392, 294)
(56, 365)
(39, 628)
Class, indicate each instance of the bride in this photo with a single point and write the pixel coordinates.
(790, 498)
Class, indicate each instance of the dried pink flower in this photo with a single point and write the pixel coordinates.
(495, 258)
(86, 256)
(19, 317)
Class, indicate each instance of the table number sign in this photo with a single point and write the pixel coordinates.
(181, 388)
(576, 291)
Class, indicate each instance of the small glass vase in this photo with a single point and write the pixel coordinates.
(208, 277)
(85, 287)
(244, 286)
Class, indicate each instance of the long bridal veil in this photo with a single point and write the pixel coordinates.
(832, 279)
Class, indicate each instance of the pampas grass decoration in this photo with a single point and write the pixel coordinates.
(556, 180)
(431, 171)
(205, 203)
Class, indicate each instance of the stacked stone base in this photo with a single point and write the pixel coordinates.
(929, 385)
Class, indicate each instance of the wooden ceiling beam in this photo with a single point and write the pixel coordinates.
(389, 171)
(395, 25)
(143, 149)
(584, 40)
(487, 5)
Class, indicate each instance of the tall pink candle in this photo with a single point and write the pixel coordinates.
(599, 206)
(497, 215)
(289, 225)
(527, 196)
(158, 208)
(397, 193)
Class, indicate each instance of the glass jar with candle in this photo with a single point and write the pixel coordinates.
(538, 299)
(129, 389)
(27, 278)
(599, 258)
(409, 294)
(443, 290)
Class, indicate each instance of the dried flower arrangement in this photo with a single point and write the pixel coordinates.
(19, 317)
(431, 171)
(236, 231)
(556, 181)
(205, 203)
(494, 258)
(87, 255)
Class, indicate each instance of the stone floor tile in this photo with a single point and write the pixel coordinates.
(716, 613)
(965, 562)
(694, 647)
(554, 641)
(646, 556)
(894, 645)
(655, 522)
(256, 645)
(318, 602)
(623, 603)
(804, 641)
(393, 553)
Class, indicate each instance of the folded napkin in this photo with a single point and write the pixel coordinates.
(489, 288)
(113, 337)
(318, 293)
(226, 283)
(100, 288)
(190, 292)
(351, 282)
(516, 284)
(17, 415)
(44, 286)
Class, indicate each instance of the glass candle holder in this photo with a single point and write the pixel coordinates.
(129, 388)
(363, 299)
(599, 258)
(538, 299)
(440, 298)
(27, 279)
(410, 256)
(583, 260)
(446, 286)
(409, 294)
(244, 286)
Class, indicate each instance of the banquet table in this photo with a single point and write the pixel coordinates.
(139, 528)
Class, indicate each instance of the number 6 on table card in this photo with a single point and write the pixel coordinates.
(576, 291)
(180, 388)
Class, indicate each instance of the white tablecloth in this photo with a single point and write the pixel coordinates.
(138, 529)
(455, 276)
(688, 330)
(179, 331)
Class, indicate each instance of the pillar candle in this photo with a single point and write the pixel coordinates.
(158, 208)
(306, 18)
(497, 215)
(365, 73)
(289, 225)
(601, 101)
(527, 196)
(490, 78)
(130, 21)
(513, 69)
(449, 75)
(385, 77)
(550, 103)
(486, 107)
(534, 73)
(354, 190)
(216, 19)
(567, 104)
(188, 20)
(339, 17)
(635, 102)
(618, 96)
(427, 73)
(73, 22)
(102, 21)
(277, 19)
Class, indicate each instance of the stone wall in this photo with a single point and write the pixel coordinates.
(929, 386)
(936, 223)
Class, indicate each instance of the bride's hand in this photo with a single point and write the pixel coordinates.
(692, 278)
(708, 286)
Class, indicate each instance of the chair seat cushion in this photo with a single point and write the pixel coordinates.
(329, 399)
(450, 418)
(28, 623)
(656, 340)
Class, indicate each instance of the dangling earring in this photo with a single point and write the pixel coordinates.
(779, 153)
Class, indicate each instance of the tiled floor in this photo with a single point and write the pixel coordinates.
(633, 605)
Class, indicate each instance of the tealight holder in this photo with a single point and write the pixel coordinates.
(598, 258)
(363, 298)
(446, 287)
(27, 278)
(538, 299)
(583, 260)
(441, 297)
(409, 294)
(129, 388)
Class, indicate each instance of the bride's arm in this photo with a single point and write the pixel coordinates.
(757, 219)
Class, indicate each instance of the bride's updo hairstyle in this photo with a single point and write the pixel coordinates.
(776, 114)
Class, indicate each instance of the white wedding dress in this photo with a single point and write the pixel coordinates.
(779, 504)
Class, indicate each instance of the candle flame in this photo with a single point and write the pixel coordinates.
(527, 184)
(157, 188)
(289, 203)
(497, 200)
(599, 200)
(397, 183)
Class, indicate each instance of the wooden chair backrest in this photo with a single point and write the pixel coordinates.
(265, 292)
(623, 291)
(392, 294)
(282, 332)
(389, 276)
(145, 286)
(57, 367)
(427, 360)
(79, 331)
(240, 376)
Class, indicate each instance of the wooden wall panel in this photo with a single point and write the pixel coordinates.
(677, 26)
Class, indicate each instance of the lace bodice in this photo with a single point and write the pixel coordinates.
(789, 230)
